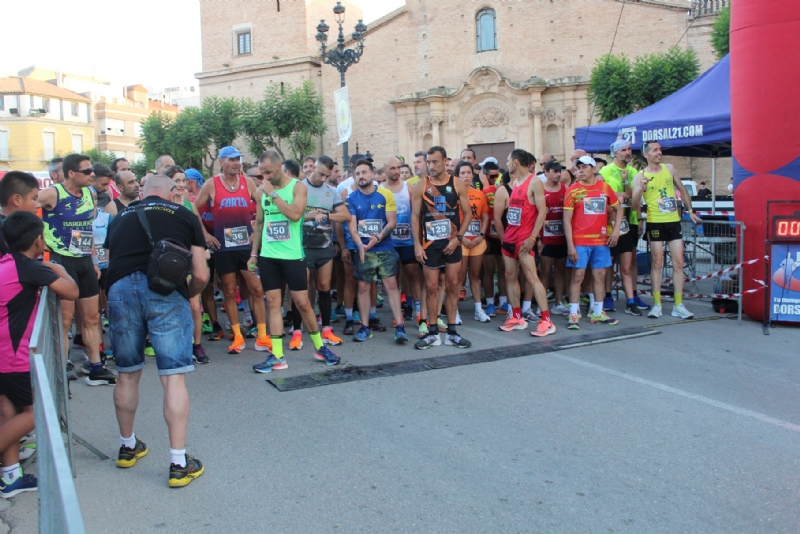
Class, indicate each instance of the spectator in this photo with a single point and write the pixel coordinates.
(703, 192)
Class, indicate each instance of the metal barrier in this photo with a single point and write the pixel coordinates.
(709, 247)
(58, 501)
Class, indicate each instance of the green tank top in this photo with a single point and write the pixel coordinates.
(281, 238)
(662, 203)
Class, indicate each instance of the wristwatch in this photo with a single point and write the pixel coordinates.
(274, 195)
(460, 237)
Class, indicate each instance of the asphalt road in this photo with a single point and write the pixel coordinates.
(693, 430)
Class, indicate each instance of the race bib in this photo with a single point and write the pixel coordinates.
(594, 205)
(667, 205)
(436, 230)
(101, 255)
(493, 230)
(236, 237)
(624, 228)
(474, 229)
(514, 216)
(276, 231)
(370, 227)
(402, 231)
(553, 228)
(81, 243)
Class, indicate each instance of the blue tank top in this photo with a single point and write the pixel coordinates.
(401, 237)
(68, 226)
(348, 240)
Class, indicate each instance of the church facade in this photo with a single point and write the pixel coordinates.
(490, 74)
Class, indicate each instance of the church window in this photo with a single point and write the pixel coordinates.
(243, 41)
(486, 30)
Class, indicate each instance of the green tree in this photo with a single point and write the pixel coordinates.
(611, 87)
(155, 138)
(188, 138)
(656, 76)
(721, 33)
(222, 119)
(287, 119)
(141, 167)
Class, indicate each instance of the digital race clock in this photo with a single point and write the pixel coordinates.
(786, 227)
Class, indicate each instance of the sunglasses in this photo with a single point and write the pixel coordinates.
(87, 172)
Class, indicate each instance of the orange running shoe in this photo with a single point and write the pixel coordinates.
(297, 340)
(237, 346)
(512, 323)
(544, 328)
(330, 338)
(264, 344)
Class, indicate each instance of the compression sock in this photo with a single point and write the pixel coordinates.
(262, 330)
(178, 457)
(237, 330)
(128, 442)
(277, 346)
(297, 319)
(317, 339)
(325, 306)
(451, 330)
(678, 299)
(657, 297)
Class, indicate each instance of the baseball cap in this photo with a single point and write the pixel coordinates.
(230, 152)
(553, 165)
(490, 159)
(194, 174)
(586, 160)
(356, 157)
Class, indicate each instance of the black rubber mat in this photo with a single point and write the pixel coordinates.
(352, 373)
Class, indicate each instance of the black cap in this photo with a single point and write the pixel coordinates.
(553, 165)
(356, 157)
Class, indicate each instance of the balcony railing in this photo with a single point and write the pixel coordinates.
(702, 8)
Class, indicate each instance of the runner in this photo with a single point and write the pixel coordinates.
(405, 173)
(128, 187)
(657, 183)
(474, 242)
(68, 213)
(619, 175)
(309, 166)
(194, 181)
(438, 225)
(373, 217)
(554, 251)
(230, 195)
(278, 253)
(526, 213)
(56, 170)
(586, 209)
(492, 259)
(323, 208)
(420, 167)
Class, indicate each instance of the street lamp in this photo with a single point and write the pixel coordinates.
(340, 57)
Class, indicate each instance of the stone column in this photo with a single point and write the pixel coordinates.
(536, 113)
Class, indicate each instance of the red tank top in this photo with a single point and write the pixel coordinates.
(521, 214)
(553, 228)
(231, 215)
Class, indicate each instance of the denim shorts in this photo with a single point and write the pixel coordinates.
(379, 264)
(134, 312)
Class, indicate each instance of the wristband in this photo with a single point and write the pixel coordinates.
(253, 255)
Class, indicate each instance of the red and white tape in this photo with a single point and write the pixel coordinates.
(726, 213)
(718, 273)
(717, 296)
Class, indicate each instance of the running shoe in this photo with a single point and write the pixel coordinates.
(182, 476)
(250, 331)
(103, 377)
(207, 328)
(217, 332)
(456, 341)
(551, 296)
(375, 325)
(632, 309)
(379, 303)
(356, 317)
(602, 318)
(408, 313)
(329, 338)
(105, 321)
(199, 355)
(363, 334)
(585, 299)
(679, 310)
(334, 317)
(642, 305)
(423, 330)
(655, 313)
(513, 324)
(529, 316)
(127, 456)
(608, 304)
(71, 373)
(481, 316)
(504, 309)
(26, 451)
(340, 311)
(22, 484)
(431, 340)
(572, 324)
(348, 328)
(544, 328)
(560, 310)
(458, 319)
(462, 295)
(271, 364)
(237, 346)
(264, 344)
(441, 324)
(218, 296)
(400, 335)
(297, 340)
(324, 354)
(491, 311)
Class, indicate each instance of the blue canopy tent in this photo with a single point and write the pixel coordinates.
(694, 121)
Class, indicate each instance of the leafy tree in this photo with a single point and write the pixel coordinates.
(286, 119)
(188, 138)
(721, 33)
(222, 120)
(141, 167)
(656, 76)
(611, 87)
(155, 138)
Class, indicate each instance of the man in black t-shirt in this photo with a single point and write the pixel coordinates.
(136, 312)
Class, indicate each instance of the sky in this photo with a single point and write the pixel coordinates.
(155, 43)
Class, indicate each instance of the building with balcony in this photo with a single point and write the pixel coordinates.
(39, 120)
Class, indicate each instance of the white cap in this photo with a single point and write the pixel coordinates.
(586, 160)
(487, 160)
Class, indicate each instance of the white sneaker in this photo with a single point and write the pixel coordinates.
(680, 310)
(560, 310)
(655, 311)
(458, 319)
(481, 316)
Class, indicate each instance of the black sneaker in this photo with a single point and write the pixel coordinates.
(199, 354)
(127, 457)
(71, 373)
(376, 326)
(348, 328)
(632, 309)
(104, 377)
(217, 334)
(182, 476)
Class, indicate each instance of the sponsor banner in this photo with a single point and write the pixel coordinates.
(784, 283)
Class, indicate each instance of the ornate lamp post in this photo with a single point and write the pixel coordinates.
(340, 57)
